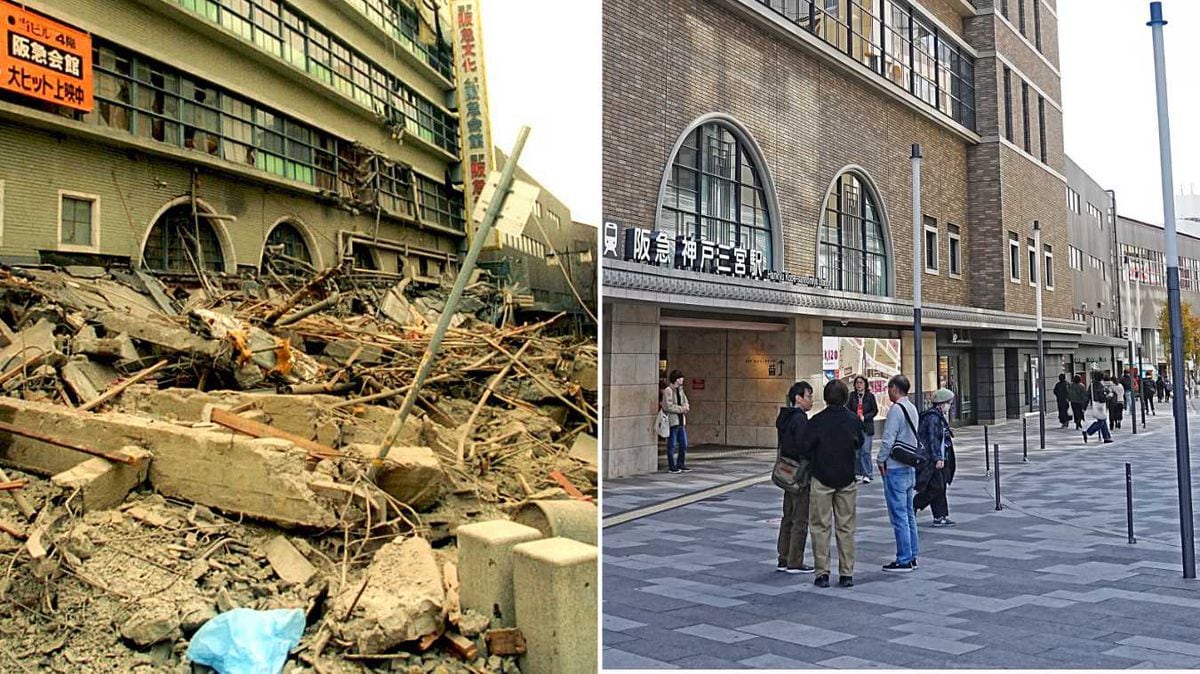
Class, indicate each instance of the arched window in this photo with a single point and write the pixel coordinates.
(714, 191)
(853, 249)
(173, 238)
(294, 245)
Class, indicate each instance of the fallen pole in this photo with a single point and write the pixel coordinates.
(309, 310)
(120, 388)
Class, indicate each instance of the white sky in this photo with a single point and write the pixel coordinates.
(1110, 119)
(543, 69)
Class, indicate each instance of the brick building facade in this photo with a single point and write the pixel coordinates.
(783, 129)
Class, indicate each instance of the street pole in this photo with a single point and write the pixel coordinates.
(1136, 379)
(918, 265)
(1038, 272)
(1182, 458)
(918, 270)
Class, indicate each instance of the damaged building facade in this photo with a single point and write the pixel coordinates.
(759, 230)
(221, 130)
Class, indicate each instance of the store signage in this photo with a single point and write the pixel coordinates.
(475, 131)
(697, 384)
(684, 252)
(44, 59)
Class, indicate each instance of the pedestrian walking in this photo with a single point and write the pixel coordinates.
(1116, 403)
(831, 445)
(1148, 395)
(862, 402)
(899, 479)
(1127, 382)
(937, 444)
(1063, 400)
(1077, 394)
(675, 403)
(1098, 409)
(791, 426)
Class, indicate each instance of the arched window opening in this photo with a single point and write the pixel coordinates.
(714, 191)
(286, 239)
(178, 243)
(853, 248)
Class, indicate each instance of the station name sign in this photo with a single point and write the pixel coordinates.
(684, 252)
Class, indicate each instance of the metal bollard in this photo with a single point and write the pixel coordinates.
(987, 463)
(1129, 502)
(996, 474)
(1024, 439)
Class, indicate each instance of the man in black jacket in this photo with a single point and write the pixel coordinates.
(793, 528)
(831, 444)
(1064, 401)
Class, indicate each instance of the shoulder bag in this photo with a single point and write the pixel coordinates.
(905, 453)
(662, 425)
(790, 475)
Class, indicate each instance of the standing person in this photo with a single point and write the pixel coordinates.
(1160, 387)
(1127, 383)
(1148, 395)
(1167, 388)
(938, 444)
(1099, 409)
(793, 528)
(899, 479)
(675, 403)
(1116, 402)
(831, 445)
(1064, 403)
(862, 402)
(1077, 393)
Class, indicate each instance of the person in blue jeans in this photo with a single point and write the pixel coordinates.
(899, 480)
(862, 403)
(675, 403)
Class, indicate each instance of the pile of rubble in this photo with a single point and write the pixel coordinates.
(175, 453)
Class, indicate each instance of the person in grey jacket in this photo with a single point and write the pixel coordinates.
(675, 403)
(899, 480)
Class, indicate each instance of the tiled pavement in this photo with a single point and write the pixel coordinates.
(1048, 582)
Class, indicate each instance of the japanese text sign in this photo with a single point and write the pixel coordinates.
(44, 59)
(475, 131)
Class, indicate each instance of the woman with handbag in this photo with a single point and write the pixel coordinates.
(1099, 409)
(793, 528)
(862, 403)
(937, 440)
(675, 403)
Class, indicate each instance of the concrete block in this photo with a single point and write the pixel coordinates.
(103, 484)
(403, 599)
(411, 475)
(485, 567)
(560, 519)
(554, 584)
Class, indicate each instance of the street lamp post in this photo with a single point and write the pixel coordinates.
(918, 264)
(1041, 352)
(1182, 458)
(1137, 377)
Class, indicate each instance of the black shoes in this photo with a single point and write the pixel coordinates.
(684, 469)
(1085, 437)
(897, 567)
(803, 568)
(821, 580)
(845, 581)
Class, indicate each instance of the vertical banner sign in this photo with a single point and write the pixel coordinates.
(475, 132)
(44, 59)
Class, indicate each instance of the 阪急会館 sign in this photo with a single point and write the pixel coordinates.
(44, 59)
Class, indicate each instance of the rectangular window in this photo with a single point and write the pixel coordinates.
(953, 237)
(1025, 112)
(78, 218)
(1037, 24)
(1008, 116)
(1014, 257)
(1021, 17)
(931, 245)
(1004, 8)
(1049, 256)
(1033, 262)
(1042, 126)
(1075, 258)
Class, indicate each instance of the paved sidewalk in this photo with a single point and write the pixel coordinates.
(1048, 582)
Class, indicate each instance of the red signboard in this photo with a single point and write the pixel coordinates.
(697, 384)
(44, 59)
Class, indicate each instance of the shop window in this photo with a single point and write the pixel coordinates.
(715, 191)
(853, 245)
(178, 243)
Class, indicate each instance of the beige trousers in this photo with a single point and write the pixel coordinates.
(838, 507)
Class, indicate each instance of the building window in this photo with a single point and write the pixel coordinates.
(1073, 203)
(1025, 113)
(555, 221)
(931, 245)
(1033, 262)
(440, 204)
(1095, 214)
(1049, 257)
(1014, 257)
(853, 247)
(916, 56)
(1004, 8)
(172, 243)
(1021, 15)
(715, 192)
(1037, 24)
(955, 241)
(400, 20)
(1042, 125)
(1008, 115)
(1075, 259)
(78, 220)
(287, 239)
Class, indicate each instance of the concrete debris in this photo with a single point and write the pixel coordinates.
(175, 453)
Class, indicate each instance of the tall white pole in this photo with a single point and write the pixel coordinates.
(918, 271)
(1039, 269)
(1182, 454)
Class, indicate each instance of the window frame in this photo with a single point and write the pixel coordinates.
(930, 226)
(1042, 153)
(1008, 113)
(94, 245)
(1014, 257)
(1037, 25)
(1026, 136)
(953, 251)
(843, 241)
(1048, 271)
(1034, 272)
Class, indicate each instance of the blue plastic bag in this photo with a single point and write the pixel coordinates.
(246, 641)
